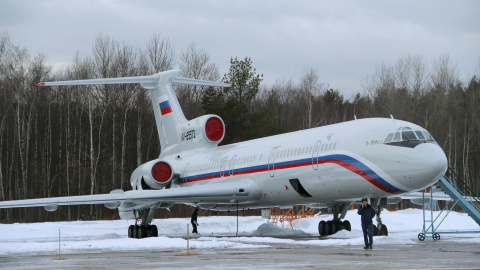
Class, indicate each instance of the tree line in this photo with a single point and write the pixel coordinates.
(80, 140)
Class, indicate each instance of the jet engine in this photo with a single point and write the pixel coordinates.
(155, 174)
(206, 130)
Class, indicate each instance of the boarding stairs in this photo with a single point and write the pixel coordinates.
(461, 194)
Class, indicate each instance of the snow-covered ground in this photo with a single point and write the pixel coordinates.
(218, 233)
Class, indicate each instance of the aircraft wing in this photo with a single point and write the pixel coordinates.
(218, 193)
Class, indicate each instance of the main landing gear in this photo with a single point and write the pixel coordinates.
(141, 231)
(145, 229)
(379, 204)
(333, 226)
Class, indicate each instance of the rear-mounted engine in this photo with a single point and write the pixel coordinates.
(155, 174)
(206, 130)
(214, 129)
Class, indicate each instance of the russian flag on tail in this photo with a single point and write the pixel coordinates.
(165, 107)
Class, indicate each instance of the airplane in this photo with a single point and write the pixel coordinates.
(328, 167)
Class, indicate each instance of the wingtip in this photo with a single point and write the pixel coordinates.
(41, 84)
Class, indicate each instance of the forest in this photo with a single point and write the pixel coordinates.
(80, 140)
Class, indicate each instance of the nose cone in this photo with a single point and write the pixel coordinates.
(431, 164)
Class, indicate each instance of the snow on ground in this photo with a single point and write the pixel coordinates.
(219, 233)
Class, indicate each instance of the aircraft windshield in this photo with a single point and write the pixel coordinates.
(406, 134)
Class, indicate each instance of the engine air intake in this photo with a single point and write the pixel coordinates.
(162, 172)
(214, 129)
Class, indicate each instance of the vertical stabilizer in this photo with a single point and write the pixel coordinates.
(168, 114)
(169, 117)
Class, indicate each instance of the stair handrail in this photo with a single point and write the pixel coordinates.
(453, 178)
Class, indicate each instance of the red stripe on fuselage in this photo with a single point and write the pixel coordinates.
(344, 164)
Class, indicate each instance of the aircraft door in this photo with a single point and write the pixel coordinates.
(271, 161)
(223, 167)
(186, 171)
(315, 153)
(231, 165)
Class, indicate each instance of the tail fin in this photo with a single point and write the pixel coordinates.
(169, 117)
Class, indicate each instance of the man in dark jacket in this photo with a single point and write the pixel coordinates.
(194, 222)
(368, 213)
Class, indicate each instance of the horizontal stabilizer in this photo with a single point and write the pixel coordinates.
(187, 81)
(146, 81)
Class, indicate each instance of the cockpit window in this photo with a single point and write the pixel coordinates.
(420, 135)
(428, 136)
(397, 137)
(406, 134)
(389, 138)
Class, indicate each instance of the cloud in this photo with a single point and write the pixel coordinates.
(343, 40)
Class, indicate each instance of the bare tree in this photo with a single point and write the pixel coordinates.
(310, 88)
(195, 63)
(160, 53)
(443, 74)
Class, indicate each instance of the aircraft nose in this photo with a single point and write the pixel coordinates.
(433, 163)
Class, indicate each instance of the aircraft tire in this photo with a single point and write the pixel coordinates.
(154, 231)
(136, 231)
(142, 232)
(131, 231)
(334, 227)
(383, 230)
(329, 227)
(322, 228)
(375, 230)
(346, 225)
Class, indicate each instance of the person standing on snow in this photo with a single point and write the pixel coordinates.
(194, 222)
(368, 213)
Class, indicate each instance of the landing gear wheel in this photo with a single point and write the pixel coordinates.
(154, 231)
(142, 232)
(347, 226)
(329, 227)
(322, 228)
(335, 227)
(383, 230)
(136, 231)
(421, 236)
(436, 237)
(131, 231)
(375, 230)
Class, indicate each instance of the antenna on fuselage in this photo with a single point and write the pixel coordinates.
(393, 119)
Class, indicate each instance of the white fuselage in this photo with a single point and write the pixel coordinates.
(338, 162)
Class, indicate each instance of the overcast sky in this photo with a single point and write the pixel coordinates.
(342, 40)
